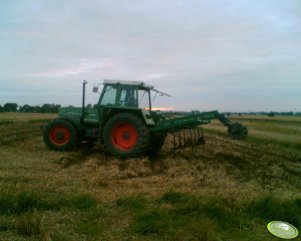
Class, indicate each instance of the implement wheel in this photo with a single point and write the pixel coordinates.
(125, 135)
(237, 131)
(60, 135)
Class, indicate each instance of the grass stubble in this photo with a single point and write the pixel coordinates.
(224, 190)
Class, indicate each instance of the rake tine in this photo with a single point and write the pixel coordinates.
(202, 140)
(186, 138)
(174, 142)
(191, 139)
(194, 137)
(184, 132)
(180, 140)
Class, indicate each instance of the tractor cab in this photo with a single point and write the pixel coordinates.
(126, 94)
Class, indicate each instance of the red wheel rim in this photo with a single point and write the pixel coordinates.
(124, 136)
(59, 135)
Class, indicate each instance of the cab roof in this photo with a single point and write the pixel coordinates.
(140, 84)
(129, 82)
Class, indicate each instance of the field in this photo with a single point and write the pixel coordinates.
(224, 190)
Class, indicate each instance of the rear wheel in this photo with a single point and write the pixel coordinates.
(60, 135)
(125, 135)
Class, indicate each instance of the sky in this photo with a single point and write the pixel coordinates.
(227, 55)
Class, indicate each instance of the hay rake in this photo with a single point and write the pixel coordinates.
(188, 138)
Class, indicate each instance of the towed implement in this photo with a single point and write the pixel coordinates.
(123, 120)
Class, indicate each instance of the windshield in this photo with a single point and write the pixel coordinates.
(143, 96)
(109, 95)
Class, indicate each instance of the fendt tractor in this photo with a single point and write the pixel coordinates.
(124, 122)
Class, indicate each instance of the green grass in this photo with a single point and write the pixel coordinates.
(29, 224)
(16, 203)
(253, 139)
(6, 122)
(173, 216)
(132, 202)
(182, 216)
(11, 117)
(28, 207)
(270, 207)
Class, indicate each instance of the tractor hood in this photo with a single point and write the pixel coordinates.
(75, 111)
(75, 114)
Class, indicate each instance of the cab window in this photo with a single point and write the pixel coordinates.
(128, 96)
(109, 95)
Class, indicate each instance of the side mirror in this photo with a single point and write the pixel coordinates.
(95, 89)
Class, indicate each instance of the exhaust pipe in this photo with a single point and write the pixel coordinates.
(84, 97)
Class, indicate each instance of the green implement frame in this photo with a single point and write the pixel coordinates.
(236, 130)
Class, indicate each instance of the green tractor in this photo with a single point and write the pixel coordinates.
(123, 120)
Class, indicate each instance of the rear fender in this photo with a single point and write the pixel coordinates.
(144, 115)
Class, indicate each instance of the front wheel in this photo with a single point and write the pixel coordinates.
(60, 135)
(125, 135)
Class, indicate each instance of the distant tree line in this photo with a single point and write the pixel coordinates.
(270, 113)
(45, 108)
(53, 108)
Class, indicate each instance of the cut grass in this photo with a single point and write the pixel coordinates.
(25, 117)
(191, 217)
(27, 209)
(289, 144)
(269, 207)
(29, 224)
(17, 203)
(12, 203)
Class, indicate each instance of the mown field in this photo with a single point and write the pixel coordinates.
(224, 190)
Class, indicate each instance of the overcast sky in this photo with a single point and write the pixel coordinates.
(230, 55)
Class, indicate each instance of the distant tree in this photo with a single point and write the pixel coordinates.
(26, 108)
(45, 108)
(37, 109)
(10, 107)
(290, 113)
(1, 108)
(22, 108)
(271, 114)
(56, 108)
(50, 108)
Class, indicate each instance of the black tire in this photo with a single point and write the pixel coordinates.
(125, 135)
(60, 135)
